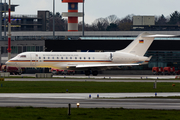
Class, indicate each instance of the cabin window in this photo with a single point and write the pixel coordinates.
(66, 57)
(48, 57)
(44, 57)
(57, 57)
(84, 57)
(93, 58)
(89, 58)
(39, 57)
(61, 57)
(52, 57)
(70, 57)
(79, 57)
(75, 57)
(23, 56)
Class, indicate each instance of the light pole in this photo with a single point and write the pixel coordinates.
(0, 27)
(1, 19)
(4, 19)
(9, 31)
(83, 19)
(53, 19)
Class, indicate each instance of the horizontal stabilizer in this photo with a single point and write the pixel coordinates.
(158, 35)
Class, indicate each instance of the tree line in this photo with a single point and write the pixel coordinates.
(112, 22)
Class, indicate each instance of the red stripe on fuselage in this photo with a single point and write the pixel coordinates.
(19, 61)
(57, 61)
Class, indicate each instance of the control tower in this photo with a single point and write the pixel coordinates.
(72, 14)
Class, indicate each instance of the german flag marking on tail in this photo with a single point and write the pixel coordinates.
(141, 41)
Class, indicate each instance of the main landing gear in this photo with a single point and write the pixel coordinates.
(88, 72)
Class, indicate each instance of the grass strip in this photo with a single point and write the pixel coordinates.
(30, 113)
(84, 87)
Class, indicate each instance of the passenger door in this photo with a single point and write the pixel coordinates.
(33, 59)
(111, 56)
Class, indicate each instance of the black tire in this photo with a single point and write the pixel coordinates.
(87, 72)
(95, 73)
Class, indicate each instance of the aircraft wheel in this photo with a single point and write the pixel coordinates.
(87, 72)
(95, 73)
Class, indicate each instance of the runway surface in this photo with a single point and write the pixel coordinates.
(63, 99)
(105, 100)
(104, 76)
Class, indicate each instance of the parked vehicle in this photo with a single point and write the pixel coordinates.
(157, 70)
(55, 71)
(177, 72)
(68, 72)
(62, 72)
(12, 70)
(169, 71)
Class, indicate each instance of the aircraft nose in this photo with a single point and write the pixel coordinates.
(8, 62)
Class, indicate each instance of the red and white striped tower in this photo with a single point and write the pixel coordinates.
(72, 14)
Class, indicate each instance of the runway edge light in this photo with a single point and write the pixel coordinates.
(97, 95)
(77, 105)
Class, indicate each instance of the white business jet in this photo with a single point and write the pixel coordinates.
(132, 55)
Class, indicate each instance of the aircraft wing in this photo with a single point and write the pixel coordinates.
(105, 65)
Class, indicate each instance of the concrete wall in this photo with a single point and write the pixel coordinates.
(143, 20)
(148, 20)
(45, 19)
(87, 33)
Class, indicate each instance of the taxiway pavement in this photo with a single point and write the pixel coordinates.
(63, 99)
(106, 100)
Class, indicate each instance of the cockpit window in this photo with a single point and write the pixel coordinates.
(23, 56)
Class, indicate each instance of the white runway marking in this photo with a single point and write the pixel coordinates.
(83, 95)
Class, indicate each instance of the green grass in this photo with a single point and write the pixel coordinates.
(17, 77)
(83, 87)
(30, 113)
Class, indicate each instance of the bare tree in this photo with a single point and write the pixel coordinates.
(101, 24)
(112, 19)
(59, 24)
(87, 27)
(126, 23)
(161, 20)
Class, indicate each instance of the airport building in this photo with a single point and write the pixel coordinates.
(165, 51)
(37, 22)
(31, 34)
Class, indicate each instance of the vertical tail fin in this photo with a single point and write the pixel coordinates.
(141, 44)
